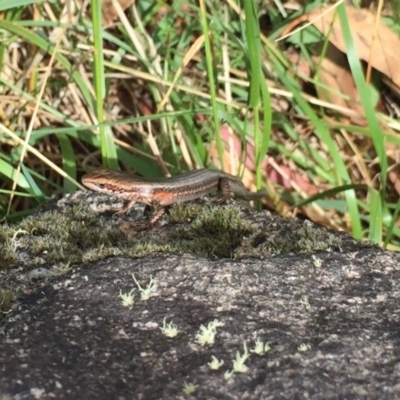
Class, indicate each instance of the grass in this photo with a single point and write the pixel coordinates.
(164, 88)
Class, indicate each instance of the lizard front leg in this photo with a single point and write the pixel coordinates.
(154, 218)
(225, 189)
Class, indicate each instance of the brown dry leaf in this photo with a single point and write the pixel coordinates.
(380, 46)
(109, 12)
(337, 80)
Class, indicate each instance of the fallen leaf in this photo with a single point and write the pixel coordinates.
(109, 12)
(375, 42)
(338, 84)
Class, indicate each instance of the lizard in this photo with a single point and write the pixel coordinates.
(161, 193)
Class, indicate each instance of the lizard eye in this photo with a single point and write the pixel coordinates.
(101, 185)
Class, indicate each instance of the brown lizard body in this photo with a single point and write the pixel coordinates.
(163, 192)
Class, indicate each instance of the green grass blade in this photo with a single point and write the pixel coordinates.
(108, 150)
(331, 192)
(211, 79)
(259, 99)
(376, 212)
(69, 164)
(7, 4)
(322, 132)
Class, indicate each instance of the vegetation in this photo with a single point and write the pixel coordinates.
(170, 86)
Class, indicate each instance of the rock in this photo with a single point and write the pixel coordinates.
(292, 310)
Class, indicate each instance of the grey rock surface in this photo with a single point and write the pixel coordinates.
(330, 318)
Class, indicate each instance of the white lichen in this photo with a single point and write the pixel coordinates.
(316, 261)
(228, 374)
(304, 347)
(304, 302)
(127, 298)
(189, 388)
(170, 330)
(260, 348)
(206, 334)
(238, 363)
(145, 293)
(215, 364)
(14, 244)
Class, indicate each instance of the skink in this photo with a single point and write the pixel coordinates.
(163, 192)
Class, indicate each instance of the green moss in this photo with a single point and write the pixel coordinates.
(55, 237)
(215, 232)
(9, 238)
(185, 212)
(299, 238)
(143, 247)
(6, 300)
(78, 235)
